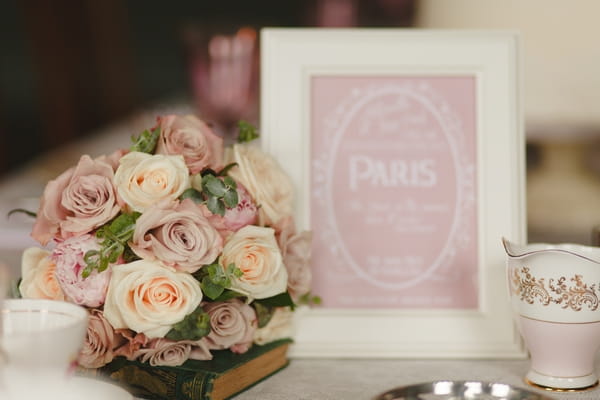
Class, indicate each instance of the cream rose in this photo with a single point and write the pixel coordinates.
(177, 234)
(254, 251)
(193, 139)
(143, 180)
(38, 276)
(149, 298)
(267, 183)
(280, 326)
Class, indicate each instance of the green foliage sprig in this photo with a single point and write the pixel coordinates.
(146, 141)
(216, 280)
(266, 307)
(246, 132)
(193, 327)
(114, 237)
(218, 194)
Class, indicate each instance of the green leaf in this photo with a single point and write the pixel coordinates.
(231, 198)
(247, 132)
(214, 186)
(216, 206)
(228, 294)
(281, 300)
(193, 194)
(146, 141)
(211, 289)
(229, 182)
(21, 211)
(193, 327)
(235, 271)
(226, 169)
(263, 313)
(309, 299)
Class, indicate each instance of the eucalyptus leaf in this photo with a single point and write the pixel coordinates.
(146, 141)
(194, 326)
(210, 289)
(216, 206)
(263, 314)
(192, 194)
(229, 182)
(226, 169)
(213, 186)
(231, 198)
(228, 294)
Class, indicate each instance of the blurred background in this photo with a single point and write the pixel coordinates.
(83, 76)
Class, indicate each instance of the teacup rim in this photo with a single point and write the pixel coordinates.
(541, 247)
(76, 311)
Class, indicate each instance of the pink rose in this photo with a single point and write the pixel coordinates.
(245, 213)
(38, 276)
(68, 257)
(233, 323)
(80, 200)
(174, 353)
(113, 158)
(178, 235)
(193, 139)
(296, 252)
(100, 342)
(133, 342)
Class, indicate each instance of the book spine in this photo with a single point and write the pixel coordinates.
(160, 384)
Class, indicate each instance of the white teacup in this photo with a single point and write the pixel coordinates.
(39, 341)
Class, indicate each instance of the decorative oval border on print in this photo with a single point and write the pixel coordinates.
(451, 127)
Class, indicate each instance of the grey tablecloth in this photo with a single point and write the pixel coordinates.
(318, 379)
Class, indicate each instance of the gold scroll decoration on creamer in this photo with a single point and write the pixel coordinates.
(571, 293)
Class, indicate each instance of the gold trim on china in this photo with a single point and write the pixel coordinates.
(559, 291)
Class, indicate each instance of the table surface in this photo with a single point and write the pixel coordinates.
(326, 379)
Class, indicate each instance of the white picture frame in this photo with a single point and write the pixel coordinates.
(290, 58)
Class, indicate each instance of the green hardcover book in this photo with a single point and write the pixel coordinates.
(225, 375)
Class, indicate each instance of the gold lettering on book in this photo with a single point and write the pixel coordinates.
(571, 293)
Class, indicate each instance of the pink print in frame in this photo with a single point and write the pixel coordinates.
(406, 151)
(393, 191)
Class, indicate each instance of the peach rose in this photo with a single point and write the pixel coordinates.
(99, 343)
(178, 235)
(80, 200)
(149, 297)
(254, 251)
(38, 278)
(232, 325)
(193, 139)
(165, 352)
(279, 327)
(262, 176)
(143, 180)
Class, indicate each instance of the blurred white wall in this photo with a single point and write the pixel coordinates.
(561, 46)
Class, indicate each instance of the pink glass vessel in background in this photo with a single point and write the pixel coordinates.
(224, 77)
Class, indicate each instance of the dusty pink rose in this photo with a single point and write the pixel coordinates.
(178, 235)
(171, 353)
(100, 342)
(132, 343)
(193, 139)
(78, 201)
(68, 257)
(296, 252)
(245, 213)
(233, 323)
(38, 276)
(113, 158)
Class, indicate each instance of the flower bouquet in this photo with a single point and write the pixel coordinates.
(179, 247)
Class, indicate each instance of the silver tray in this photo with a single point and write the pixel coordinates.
(458, 390)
